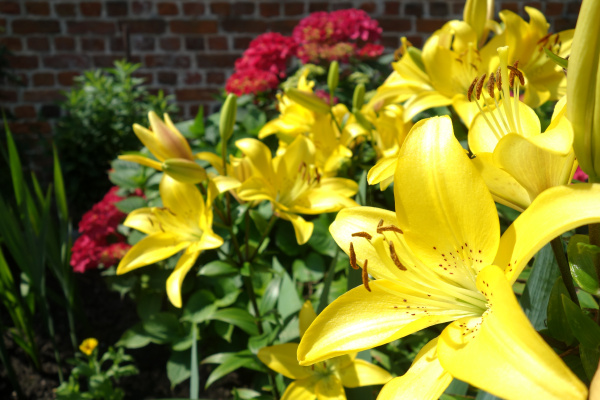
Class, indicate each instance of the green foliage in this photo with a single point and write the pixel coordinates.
(99, 113)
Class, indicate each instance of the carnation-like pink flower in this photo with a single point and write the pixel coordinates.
(251, 81)
(580, 175)
(268, 52)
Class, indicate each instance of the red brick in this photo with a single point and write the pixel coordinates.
(65, 9)
(37, 8)
(92, 44)
(168, 9)
(8, 95)
(107, 61)
(156, 26)
(9, 7)
(535, 4)
(391, 42)
(22, 62)
(369, 7)
(170, 43)
(142, 43)
(97, 27)
(24, 112)
(438, 9)
(413, 9)
(89, 9)
(167, 78)
(194, 43)
(43, 79)
(168, 61)
(427, 25)
(194, 27)
(42, 95)
(193, 9)
(217, 43)
(396, 24)
(11, 43)
(243, 8)
(215, 77)
(49, 111)
(38, 44)
(416, 40)
(116, 8)
(340, 6)
(146, 76)
(318, 6)
(117, 45)
(141, 7)
(561, 24)
(64, 61)
(573, 8)
(295, 8)
(392, 8)
(222, 9)
(553, 9)
(269, 9)
(244, 26)
(196, 94)
(193, 78)
(66, 78)
(27, 26)
(216, 60)
(514, 7)
(241, 43)
(64, 43)
(21, 128)
(285, 26)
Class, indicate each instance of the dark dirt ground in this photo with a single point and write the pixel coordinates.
(107, 318)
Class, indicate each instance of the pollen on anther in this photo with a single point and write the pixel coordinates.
(362, 235)
(395, 258)
(365, 276)
(352, 257)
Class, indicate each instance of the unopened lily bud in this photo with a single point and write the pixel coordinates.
(333, 77)
(359, 97)
(583, 89)
(228, 114)
(308, 100)
(475, 14)
(184, 171)
(362, 120)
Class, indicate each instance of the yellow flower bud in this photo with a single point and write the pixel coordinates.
(184, 171)
(308, 100)
(583, 89)
(228, 114)
(88, 346)
(476, 13)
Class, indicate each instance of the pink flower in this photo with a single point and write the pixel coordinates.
(268, 52)
(252, 81)
(580, 175)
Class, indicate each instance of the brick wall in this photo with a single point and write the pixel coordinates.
(186, 48)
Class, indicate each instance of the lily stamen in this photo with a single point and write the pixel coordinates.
(352, 257)
(365, 276)
(362, 235)
(395, 258)
(381, 229)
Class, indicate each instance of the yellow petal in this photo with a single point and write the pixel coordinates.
(384, 169)
(466, 110)
(504, 188)
(303, 389)
(302, 228)
(149, 140)
(171, 142)
(322, 200)
(142, 219)
(443, 204)
(175, 280)
(424, 101)
(552, 213)
(330, 388)
(182, 199)
(145, 161)
(213, 159)
(260, 157)
(501, 353)
(150, 250)
(363, 373)
(360, 320)
(425, 380)
(256, 188)
(307, 316)
(281, 358)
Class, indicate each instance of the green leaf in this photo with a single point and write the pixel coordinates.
(270, 296)
(217, 268)
(589, 359)
(200, 307)
(229, 362)
(321, 240)
(162, 327)
(135, 337)
(561, 62)
(285, 239)
(558, 325)
(16, 170)
(59, 188)
(131, 204)
(311, 269)
(178, 367)
(582, 326)
(238, 317)
(289, 301)
(581, 262)
(148, 305)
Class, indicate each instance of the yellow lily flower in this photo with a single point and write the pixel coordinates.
(584, 89)
(440, 258)
(516, 160)
(328, 378)
(183, 223)
(169, 146)
(293, 184)
(544, 80)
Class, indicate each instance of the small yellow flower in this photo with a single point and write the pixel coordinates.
(324, 380)
(88, 346)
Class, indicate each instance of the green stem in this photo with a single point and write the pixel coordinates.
(335, 121)
(563, 266)
(195, 373)
(263, 237)
(252, 295)
(273, 385)
(323, 301)
(5, 358)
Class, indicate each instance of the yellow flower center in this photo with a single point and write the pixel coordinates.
(307, 178)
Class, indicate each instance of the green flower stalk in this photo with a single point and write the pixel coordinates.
(583, 89)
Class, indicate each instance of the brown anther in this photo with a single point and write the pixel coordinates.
(516, 64)
(365, 276)
(302, 165)
(556, 39)
(395, 258)
(312, 367)
(480, 86)
(471, 87)
(381, 229)
(459, 60)
(362, 235)
(499, 79)
(515, 72)
(474, 67)
(490, 85)
(317, 175)
(352, 257)
(380, 223)
(544, 39)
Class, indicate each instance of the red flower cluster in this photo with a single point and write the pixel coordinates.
(262, 64)
(99, 242)
(337, 36)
